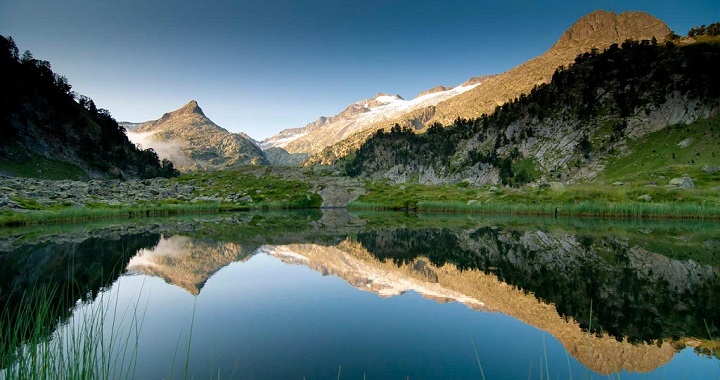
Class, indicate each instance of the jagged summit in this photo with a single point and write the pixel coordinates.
(191, 108)
(382, 95)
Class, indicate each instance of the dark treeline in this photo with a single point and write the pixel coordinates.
(614, 84)
(710, 30)
(41, 116)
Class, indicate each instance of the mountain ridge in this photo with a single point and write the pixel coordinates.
(566, 130)
(598, 29)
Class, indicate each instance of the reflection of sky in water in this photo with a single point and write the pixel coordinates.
(264, 319)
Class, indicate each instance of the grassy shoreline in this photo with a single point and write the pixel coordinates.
(582, 200)
(632, 210)
(83, 214)
(582, 209)
(275, 189)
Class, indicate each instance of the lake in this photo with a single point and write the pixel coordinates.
(332, 294)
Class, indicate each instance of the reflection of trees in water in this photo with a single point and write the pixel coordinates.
(630, 297)
(50, 277)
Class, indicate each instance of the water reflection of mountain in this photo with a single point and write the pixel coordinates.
(630, 293)
(635, 293)
(187, 263)
(447, 282)
(546, 279)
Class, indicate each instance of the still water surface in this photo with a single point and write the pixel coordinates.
(389, 296)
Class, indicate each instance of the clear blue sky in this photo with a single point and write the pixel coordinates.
(263, 66)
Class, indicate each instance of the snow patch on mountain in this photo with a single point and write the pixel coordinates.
(358, 116)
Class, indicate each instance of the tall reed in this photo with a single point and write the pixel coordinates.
(97, 341)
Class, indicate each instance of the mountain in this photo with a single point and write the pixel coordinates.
(47, 133)
(592, 117)
(357, 117)
(597, 30)
(193, 142)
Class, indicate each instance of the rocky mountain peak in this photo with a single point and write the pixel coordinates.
(601, 28)
(191, 108)
(433, 90)
(384, 95)
(363, 106)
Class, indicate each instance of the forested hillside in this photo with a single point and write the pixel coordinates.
(49, 131)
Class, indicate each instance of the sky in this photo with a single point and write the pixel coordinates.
(262, 66)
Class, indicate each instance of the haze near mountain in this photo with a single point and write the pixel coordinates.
(597, 30)
(193, 142)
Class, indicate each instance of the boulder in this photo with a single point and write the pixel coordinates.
(645, 198)
(682, 183)
(7, 204)
(710, 169)
(685, 142)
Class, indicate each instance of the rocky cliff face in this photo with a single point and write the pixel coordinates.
(193, 142)
(597, 30)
